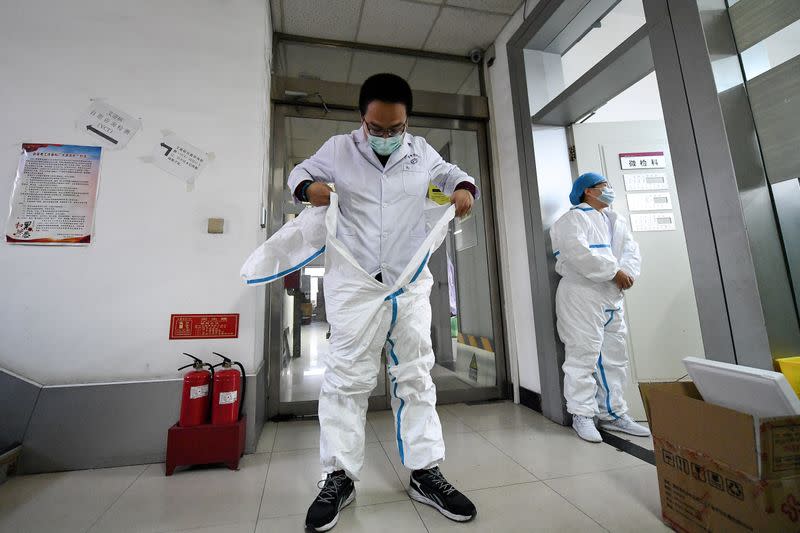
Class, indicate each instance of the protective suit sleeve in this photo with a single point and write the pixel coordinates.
(445, 175)
(574, 250)
(318, 167)
(631, 260)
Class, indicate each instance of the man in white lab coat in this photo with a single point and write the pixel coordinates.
(597, 259)
(381, 175)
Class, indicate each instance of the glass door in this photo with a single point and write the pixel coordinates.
(466, 324)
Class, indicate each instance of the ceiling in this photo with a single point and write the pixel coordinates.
(445, 26)
(346, 65)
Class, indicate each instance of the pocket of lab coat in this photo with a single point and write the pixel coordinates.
(415, 183)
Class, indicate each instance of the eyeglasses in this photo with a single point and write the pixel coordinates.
(380, 132)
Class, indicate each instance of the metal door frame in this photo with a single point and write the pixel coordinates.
(277, 200)
(731, 316)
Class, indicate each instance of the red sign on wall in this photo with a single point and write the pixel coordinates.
(204, 327)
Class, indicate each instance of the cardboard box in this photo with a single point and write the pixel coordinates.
(719, 469)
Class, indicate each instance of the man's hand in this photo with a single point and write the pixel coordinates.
(463, 200)
(623, 280)
(318, 194)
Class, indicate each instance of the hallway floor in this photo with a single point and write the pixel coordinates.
(523, 472)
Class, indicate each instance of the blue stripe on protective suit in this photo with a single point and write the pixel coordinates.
(603, 370)
(393, 298)
(288, 270)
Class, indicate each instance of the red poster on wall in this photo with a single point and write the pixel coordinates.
(204, 327)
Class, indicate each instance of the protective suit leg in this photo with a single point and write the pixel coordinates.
(351, 373)
(580, 326)
(612, 366)
(410, 359)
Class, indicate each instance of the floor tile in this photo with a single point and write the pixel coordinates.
(557, 452)
(194, 498)
(245, 527)
(73, 500)
(471, 463)
(398, 517)
(497, 415)
(267, 438)
(293, 476)
(527, 507)
(625, 500)
(304, 435)
(384, 425)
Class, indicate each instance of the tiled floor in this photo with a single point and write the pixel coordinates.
(523, 472)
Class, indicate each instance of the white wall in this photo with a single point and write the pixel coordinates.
(515, 268)
(553, 170)
(197, 67)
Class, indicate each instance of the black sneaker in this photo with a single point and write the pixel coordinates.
(431, 488)
(337, 493)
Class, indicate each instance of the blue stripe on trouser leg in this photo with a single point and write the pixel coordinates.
(603, 371)
(394, 380)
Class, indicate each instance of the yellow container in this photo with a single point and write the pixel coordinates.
(790, 367)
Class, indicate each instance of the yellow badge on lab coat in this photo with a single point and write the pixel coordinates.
(436, 194)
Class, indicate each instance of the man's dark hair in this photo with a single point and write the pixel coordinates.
(385, 88)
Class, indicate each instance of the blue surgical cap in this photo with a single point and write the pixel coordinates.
(590, 179)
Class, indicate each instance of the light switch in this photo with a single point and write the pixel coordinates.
(216, 225)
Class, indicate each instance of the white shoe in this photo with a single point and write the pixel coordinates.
(585, 428)
(625, 424)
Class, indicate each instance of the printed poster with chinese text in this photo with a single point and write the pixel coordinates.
(54, 196)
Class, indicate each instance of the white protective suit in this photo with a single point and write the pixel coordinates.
(590, 247)
(365, 315)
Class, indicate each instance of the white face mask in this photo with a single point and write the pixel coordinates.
(607, 196)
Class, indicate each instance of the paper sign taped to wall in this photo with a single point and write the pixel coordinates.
(54, 196)
(108, 126)
(180, 158)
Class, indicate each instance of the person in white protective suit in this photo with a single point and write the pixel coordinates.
(597, 259)
(377, 285)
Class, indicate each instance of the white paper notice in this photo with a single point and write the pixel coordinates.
(109, 126)
(652, 221)
(646, 182)
(54, 195)
(180, 158)
(637, 160)
(649, 201)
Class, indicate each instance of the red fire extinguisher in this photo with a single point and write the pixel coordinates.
(228, 396)
(195, 400)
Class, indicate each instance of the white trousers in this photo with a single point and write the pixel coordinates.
(591, 325)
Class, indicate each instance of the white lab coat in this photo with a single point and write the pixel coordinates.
(365, 315)
(381, 220)
(590, 247)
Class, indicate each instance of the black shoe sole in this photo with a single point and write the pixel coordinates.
(421, 498)
(330, 525)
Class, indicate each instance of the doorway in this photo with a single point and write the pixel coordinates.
(587, 79)
(466, 328)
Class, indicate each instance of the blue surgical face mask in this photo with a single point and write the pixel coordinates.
(607, 196)
(385, 145)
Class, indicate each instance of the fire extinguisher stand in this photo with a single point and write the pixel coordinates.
(208, 443)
